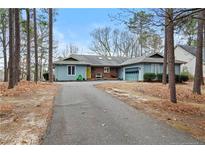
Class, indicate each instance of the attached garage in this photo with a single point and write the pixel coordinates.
(132, 74)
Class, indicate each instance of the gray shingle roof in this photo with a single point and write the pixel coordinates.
(71, 62)
(145, 59)
(100, 60)
(95, 60)
(190, 49)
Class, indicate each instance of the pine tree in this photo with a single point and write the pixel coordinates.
(170, 53)
(11, 50)
(36, 47)
(17, 46)
(164, 75)
(50, 58)
(28, 57)
(198, 66)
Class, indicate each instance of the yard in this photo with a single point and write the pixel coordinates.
(153, 98)
(25, 112)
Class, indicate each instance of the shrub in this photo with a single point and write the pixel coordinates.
(149, 77)
(184, 78)
(80, 77)
(181, 78)
(159, 77)
(46, 76)
(177, 78)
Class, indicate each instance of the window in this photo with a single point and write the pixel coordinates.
(71, 70)
(106, 69)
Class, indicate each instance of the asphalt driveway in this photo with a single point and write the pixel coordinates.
(86, 115)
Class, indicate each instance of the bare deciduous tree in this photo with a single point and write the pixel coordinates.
(109, 42)
(101, 43)
(70, 49)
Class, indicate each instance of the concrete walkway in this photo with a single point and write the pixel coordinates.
(86, 115)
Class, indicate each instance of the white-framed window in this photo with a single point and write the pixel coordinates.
(71, 70)
(106, 69)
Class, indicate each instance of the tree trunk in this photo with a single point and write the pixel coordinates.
(4, 45)
(198, 66)
(17, 47)
(50, 58)
(164, 75)
(11, 49)
(5, 66)
(203, 54)
(171, 59)
(40, 64)
(36, 47)
(28, 56)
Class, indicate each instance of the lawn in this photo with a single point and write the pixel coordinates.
(25, 112)
(153, 98)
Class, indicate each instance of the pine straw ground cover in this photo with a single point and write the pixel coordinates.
(25, 112)
(153, 98)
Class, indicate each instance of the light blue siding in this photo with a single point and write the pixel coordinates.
(177, 69)
(61, 72)
(158, 68)
(153, 68)
(147, 68)
(140, 75)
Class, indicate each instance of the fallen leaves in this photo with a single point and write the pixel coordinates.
(5, 108)
(180, 108)
(23, 88)
(187, 114)
(25, 112)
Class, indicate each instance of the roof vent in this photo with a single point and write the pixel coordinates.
(100, 58)
(109, 58)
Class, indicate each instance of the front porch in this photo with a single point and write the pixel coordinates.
(103, 73)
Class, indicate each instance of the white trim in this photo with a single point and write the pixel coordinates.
(71, 70)
(106, 68)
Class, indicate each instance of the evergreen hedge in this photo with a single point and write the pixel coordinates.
(149, 77)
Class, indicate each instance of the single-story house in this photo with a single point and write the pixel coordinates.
(93, 67)
(188, 55)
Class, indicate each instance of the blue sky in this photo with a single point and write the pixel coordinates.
(74, 25)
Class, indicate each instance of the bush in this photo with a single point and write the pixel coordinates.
(159, 77)
(181, 78)
(184, 78)
(46, 76)
(177, 78)
(80, 77)
(149, 77)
